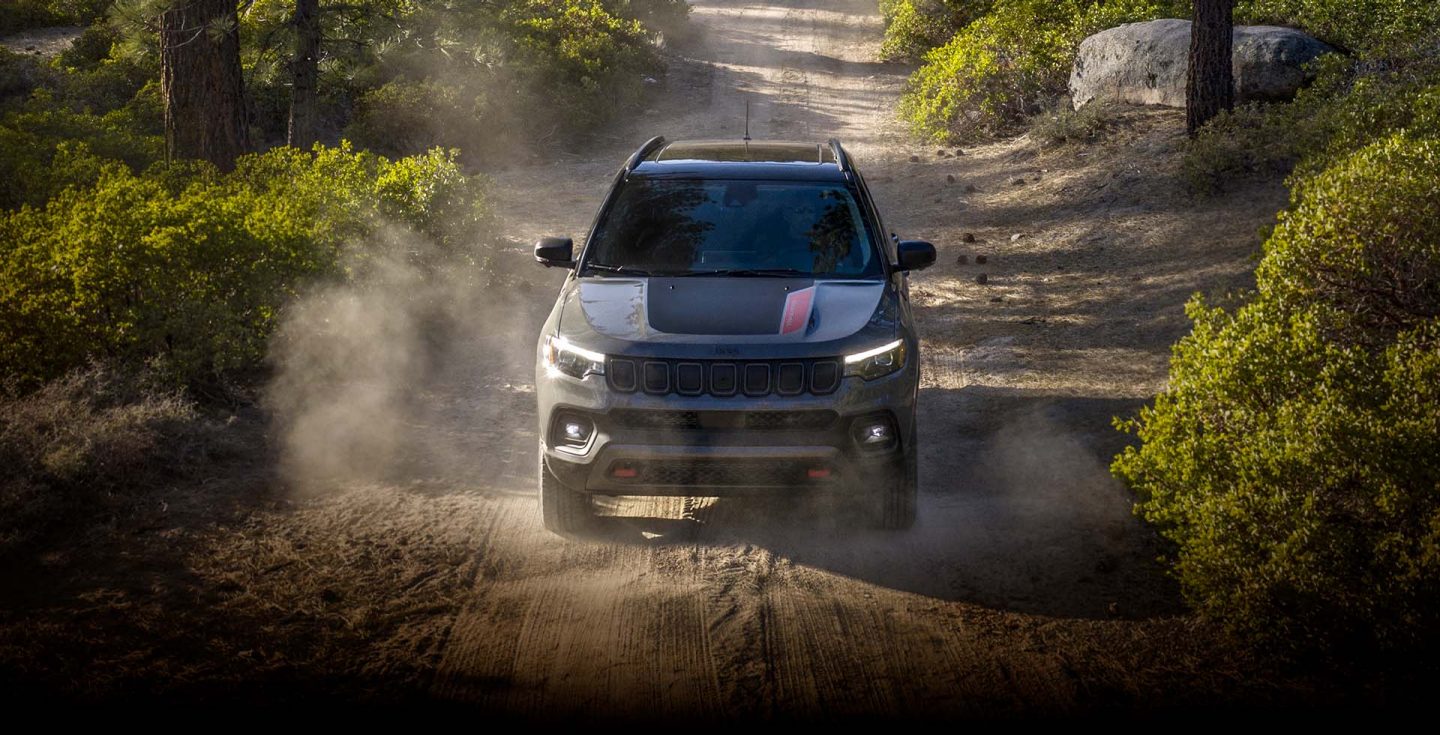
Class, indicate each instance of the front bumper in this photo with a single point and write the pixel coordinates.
(703, 445)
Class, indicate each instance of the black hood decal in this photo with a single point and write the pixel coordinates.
(722, 305)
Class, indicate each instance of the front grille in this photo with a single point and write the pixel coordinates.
(730, 473)
(723, 378)
(723, 420)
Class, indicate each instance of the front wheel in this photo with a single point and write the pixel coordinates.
(896, 504)
(562, 510)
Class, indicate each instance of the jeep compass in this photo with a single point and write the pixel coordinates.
(737, 321)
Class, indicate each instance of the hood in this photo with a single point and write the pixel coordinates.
(726, 309)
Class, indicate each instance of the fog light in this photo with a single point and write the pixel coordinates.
(572, 431)
(624, 473)
(576, 432)
(818, 473)
(875, 433)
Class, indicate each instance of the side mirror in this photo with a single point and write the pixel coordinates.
(915, 255)
(556, 251)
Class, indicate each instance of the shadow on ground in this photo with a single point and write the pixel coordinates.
(1017, 512)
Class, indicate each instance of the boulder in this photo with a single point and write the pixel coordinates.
(1145, 63)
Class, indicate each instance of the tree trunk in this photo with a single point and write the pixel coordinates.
(200, 82)
(1210, 82)
(305, 68)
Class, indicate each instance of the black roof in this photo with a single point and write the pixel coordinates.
(739, 159)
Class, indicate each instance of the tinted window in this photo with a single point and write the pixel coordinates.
(676, 226)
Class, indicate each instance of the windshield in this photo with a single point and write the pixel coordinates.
(681, 227)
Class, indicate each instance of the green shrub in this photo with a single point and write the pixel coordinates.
(19, 75)
(1010, 64)
(1352, 103)
(401, 117)
(187, 270)
(1294, 458)
(586, 62)
(18, 15)
(41, 146)
(1063, 123)
(913, 27)
(1360, 26)
(670, 18)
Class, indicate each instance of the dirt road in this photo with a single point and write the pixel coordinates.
(744, 607)
(1026, 585)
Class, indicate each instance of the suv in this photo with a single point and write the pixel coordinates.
(737, 321)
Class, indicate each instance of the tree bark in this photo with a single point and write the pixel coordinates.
(201, 83)
(305, 70)
(1210, 81)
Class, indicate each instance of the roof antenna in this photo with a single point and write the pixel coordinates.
(747, 121)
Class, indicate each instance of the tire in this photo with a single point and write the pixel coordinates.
(897, 497)
(562, 510)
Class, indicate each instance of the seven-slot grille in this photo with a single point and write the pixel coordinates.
(723, 378)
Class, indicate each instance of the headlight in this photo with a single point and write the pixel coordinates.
(577, 362)
(876, 363)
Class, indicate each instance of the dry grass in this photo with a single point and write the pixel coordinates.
(79, 442)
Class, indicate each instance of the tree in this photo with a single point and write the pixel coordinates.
(1210, 81)
(201, 83)
(304, 69)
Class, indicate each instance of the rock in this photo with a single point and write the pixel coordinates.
(1016, 236)
(1018, 182)
(1145, 63)
(949, 178)
(996, 299)
(967, 237)
(941, 154)
(981, 279)
(959, 151)
(970, 189)
(914, 159)
(981, 259)
(962, 260)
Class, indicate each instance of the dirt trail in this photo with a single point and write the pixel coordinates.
(1026, 557)
(1026, 586)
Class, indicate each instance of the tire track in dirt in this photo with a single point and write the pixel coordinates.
(1026, 565)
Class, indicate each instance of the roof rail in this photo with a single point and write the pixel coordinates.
(841, 158)
(642, 151)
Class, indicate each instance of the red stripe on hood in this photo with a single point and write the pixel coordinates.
(797, 310)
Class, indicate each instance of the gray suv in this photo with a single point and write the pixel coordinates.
(738, 321)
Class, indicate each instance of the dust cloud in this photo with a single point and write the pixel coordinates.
(414, 369)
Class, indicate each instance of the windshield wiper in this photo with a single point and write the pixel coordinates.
(762, 272)
(622, 270)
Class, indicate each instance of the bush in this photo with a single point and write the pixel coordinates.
(1352, 103)
(670, 18)
(1294, 458)
(187, 270)
(485, 78)
(18, 15)
(401, 117)
(1064, 124)
(19, 75)
(1010, 64)
(45, 147)
(81, 439)
(585, 61)
(913, 27)
(1360, 26)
